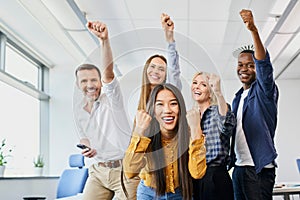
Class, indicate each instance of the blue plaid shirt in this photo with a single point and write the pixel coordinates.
(218, 130)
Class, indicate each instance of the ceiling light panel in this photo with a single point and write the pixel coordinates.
(201, 10)
(268, 27)
(279, 7)
(64, 14)
(285, 59)
(278, 44)
(152, 9)
(84, 41)
(292, 47)
(291, 24)
(49, 23)
(103, 9)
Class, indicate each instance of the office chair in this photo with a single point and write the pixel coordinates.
(72, 181)
(298, 163)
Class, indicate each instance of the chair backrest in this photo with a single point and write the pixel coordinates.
(72, 181)
(298, 163)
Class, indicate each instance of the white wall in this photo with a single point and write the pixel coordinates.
(63, 136)
(288, 134)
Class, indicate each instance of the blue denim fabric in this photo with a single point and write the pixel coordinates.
(247, 185)
(259, 115)
(147, 193)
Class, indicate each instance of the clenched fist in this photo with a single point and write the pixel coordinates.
(142, 122)
(248, 19)
(99, 29)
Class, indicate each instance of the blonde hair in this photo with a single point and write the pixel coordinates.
(213, 98)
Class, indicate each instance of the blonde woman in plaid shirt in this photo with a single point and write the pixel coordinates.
(217, 123)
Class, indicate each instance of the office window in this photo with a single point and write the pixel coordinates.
(21, 67)
(23, 113)
(20, 127)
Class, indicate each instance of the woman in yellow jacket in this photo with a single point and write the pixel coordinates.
(167, 147)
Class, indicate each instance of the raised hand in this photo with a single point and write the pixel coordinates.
(168, 25)
(194, 119)
(214, 83)
(248, 19)
(142, 120)
(99, 29)
(166, 22)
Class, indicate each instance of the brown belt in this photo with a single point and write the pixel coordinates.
(111, 164)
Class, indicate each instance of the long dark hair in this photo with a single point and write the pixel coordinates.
(185, 180)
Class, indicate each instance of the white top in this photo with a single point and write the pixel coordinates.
(107, 126)
(241, 148)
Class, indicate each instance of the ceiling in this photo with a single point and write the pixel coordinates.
(206, 32)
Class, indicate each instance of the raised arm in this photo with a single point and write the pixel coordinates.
(214, 83)
(260, 52)
(197, 152)
(173, 75)
(100, 30)
(226, 119)
(134, 159)
(168, 26)
(263, 66)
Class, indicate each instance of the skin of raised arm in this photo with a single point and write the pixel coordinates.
(100, 30)
(247, 17)
(214, 82)
(168, 26)
(193, 119)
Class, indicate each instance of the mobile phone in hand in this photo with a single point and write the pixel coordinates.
(82, 146)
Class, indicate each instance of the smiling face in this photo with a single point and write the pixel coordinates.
(246, 69)
(89, 83)
(166, 111)
(200, 89)
(156, 71)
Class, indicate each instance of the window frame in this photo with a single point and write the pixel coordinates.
(39, 93)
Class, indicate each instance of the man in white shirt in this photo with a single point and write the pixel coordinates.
(103, 125)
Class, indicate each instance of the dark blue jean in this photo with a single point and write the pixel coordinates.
(215, 185)
(147, 193)
(248, 185)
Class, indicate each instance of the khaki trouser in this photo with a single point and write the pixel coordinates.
(104, 183)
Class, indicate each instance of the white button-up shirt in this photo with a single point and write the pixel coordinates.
(106, 127)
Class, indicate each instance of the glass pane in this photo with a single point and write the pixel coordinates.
(20, 121)
(21, 68)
